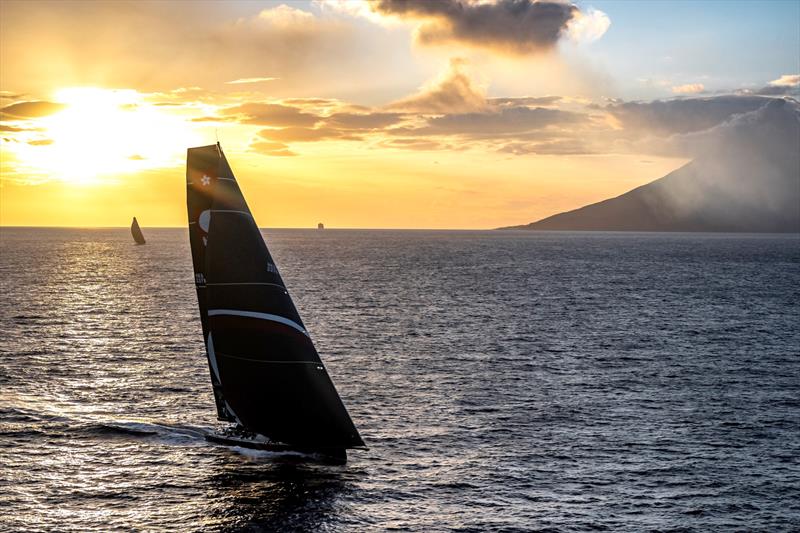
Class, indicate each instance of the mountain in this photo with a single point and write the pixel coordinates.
(745, 178)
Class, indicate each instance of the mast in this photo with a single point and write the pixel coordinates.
(266, 372)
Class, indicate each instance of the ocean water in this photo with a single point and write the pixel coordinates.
(503, 382)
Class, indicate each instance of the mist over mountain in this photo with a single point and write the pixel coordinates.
(745, 177)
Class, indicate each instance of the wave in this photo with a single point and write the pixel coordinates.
(167, 433)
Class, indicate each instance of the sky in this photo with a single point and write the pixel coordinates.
(387, 114)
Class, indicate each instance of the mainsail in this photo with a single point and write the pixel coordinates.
(265, 371)
(136, 231)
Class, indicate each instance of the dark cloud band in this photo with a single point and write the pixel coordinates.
(516, 26)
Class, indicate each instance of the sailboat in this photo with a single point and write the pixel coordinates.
(267, 378)
(136, 231)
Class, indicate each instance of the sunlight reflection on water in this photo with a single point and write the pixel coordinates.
(501, 380)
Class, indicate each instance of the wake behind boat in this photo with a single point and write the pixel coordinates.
(237, 437)
(267, 377)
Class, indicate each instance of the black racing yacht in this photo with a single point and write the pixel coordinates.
(266, 375)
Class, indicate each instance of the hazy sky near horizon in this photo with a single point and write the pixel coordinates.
(448, 114)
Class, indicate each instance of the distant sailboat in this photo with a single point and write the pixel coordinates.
(320, 226)
(136, 231)
(265, 372)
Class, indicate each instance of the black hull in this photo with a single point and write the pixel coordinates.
(326, 455)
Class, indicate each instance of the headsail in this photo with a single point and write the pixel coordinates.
(136, 231)
(266, 373)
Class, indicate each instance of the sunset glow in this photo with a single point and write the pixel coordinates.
(361, 115)
(399, 265)
(101, 135)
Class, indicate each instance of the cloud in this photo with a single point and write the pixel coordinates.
(41, 142)
(654, 83)
(786, 85)
(33, 109)
(286, 16)
(362, 121)
(14, 129)
(353, 8)
(512, 26)
(184, 97)
(525, 101)
(214, 119)
(787, 80)
(157, 45)
(271, 115)
(454, 91)
(8, 95)
(249, 80)
(271, 148)
(297, 134)
(767, 131)
(776, 90)
(509, 120)
(298, 124)
(416, 144)
(311, 102)
(666, 117)
(588, 27)
(453, 107)
(338, 126)
(557, 147)
(689, 88)
(711, 128)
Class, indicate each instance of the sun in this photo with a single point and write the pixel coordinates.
(102, 134)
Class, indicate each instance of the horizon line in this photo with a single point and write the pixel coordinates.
(9, 226)
(500, 229)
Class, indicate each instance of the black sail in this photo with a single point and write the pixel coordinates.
(136, 231)
(266, 373)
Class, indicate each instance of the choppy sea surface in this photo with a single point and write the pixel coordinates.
(503, 381)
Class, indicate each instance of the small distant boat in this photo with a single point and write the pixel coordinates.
(267, 377)
(320, 226)
(136, 231)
